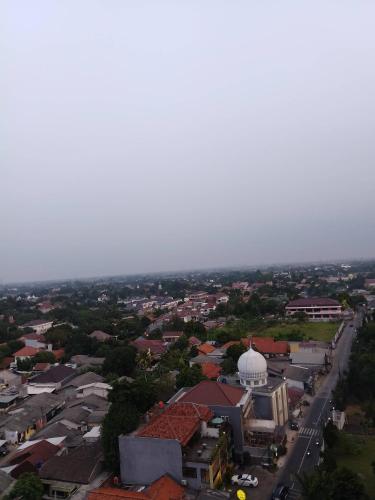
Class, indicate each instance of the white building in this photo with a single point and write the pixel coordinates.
(317, 309)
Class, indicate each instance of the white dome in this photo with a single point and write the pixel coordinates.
(252, 368)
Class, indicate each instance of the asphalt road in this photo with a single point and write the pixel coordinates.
(311, 431)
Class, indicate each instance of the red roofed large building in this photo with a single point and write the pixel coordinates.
(225, 401)
(183, 442)
(317, 309)
(270, 347)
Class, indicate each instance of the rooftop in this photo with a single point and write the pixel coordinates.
(179, 421)
(313, 302)
(55, 374)
(268, 345)
(213, 393)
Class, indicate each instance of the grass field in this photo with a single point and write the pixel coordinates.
(314, 331)
(284, 331)
(361, 462)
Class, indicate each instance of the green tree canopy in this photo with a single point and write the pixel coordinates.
(27, 487)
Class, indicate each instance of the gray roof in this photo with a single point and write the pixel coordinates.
(54, 375)
(201, 358)
(84, 360)
(80, 466)
(93, 402)
(85, 378)
(297, 373)
(308, 358)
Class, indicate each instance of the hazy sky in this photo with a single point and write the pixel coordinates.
(160, 135)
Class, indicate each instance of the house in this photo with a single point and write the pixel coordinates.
(205, 348)
(64, 474)
(34, 340)
(50, 380)
(83, 361)
(26, 353)
(194, 341)
(164, 488)
(29, 459)
(202, 359)
(39, 326)
(100, 336)
(316, 309)
(225, 401)
(270, 347)
(299, 377)
(46, 307)
(189, 444)
(317, 358)
(155, 347)
(170, 337)
(370, 283)
(211, 370)
(70, 388)
(98, 388)
(30, 417)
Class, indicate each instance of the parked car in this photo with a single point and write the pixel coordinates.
(245, 480)
(294, 425)
(281, 492)
(305, 403)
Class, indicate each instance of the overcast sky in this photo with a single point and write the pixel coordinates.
(163, 135)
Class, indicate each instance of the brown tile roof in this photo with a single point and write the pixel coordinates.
(164, 488)
(79, 466)
(314, 301)
(30, 458)
(209, 393)
(179, 421)
(156, 347)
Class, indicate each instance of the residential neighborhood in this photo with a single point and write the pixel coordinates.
(220, 382)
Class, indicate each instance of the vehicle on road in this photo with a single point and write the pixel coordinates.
(317, 442)
(245, 480)
(293, 425)
(281, 492)
(351, 325)
(308, 453)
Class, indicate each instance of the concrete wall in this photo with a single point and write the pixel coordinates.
(235, 419)
(140, 462)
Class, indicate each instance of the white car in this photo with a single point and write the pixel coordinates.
(245, 480)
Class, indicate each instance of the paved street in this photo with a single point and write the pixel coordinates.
(310, 432)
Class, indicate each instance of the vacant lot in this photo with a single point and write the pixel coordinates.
(294, 331)
(360, 462)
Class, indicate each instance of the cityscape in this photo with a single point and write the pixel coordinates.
(187, 250)
(190, 385)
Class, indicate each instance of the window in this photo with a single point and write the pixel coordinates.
(189, 472)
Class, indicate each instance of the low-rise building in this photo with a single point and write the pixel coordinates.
(50, 380)
(39, 326)
(316, 309)
(189, 444)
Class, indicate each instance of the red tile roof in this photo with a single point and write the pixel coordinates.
(209, 393)
(179, 421)
(229, 344)
(27, 352)
(312, 302)
(164, 488)
(206, 348)
(210, 370)
(268, 345)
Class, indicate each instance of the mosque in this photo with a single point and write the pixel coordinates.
(269, 397)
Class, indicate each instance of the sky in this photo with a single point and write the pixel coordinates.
(143, 136)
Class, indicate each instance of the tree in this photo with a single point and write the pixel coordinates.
(300, 316)
(121, 419)
(120, 360)
(27, 487)
(330, 434)
(24, 365)
(189, 376)
(182, 343)
(44, 357)
(346, 485)
(234, 351)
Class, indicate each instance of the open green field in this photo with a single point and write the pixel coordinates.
(361, 461)
(287, 331)
(279, 330)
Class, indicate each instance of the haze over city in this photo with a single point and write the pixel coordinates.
(150, 136)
